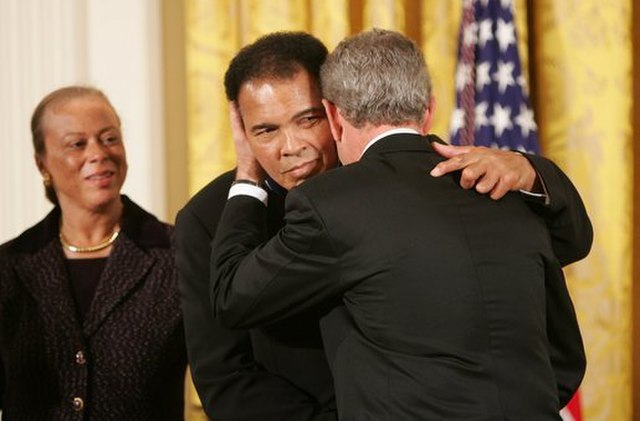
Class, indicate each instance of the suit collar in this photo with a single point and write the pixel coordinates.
(143, 228)
(401, 142)
(275, 188)
(397, 130)
(140, 226)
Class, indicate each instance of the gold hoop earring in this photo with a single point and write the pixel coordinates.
(46, 179)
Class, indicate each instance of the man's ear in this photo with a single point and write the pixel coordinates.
(427, 120)
(335, 119)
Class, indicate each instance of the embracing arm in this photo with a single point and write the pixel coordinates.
(495, 172)
(564, 213)
(241, 289)
(231, 384)
(288, 274)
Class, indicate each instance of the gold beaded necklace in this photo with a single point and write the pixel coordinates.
(89, 249)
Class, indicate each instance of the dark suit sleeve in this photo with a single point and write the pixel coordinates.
(291, 272)
(565, 214)
(230, 383)
(571, 237)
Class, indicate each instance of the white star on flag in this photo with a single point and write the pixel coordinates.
(486, 33)
(504, 76)
(480, 118)
(525, 120)
(505, 34)
(501, 119)
(482, 75)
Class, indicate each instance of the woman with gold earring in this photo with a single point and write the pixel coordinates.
(90, 321)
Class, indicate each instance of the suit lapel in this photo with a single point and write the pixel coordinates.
(126, 268)
(44, 275)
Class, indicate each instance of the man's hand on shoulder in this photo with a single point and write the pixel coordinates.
(490, 171)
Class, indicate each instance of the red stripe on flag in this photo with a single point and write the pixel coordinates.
(573, 411)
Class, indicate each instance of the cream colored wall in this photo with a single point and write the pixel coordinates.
(114, 45)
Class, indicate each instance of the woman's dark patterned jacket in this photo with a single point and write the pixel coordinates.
(125, 362)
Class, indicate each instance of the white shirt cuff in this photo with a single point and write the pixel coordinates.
(249, 190)
(544, 195)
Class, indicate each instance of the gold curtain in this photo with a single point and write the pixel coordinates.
(578, 57)
(583, 62)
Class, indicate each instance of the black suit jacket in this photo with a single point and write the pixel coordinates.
(278, 372)
(447, 289)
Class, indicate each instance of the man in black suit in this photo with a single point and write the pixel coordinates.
(458, 302)
(278, 372)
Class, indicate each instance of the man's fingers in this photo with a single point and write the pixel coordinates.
(508, 181)
(449, 151)
(246, 164)
(499, 191)
(486, 183)
(459, 157)
(487, 170)
(470, 176)
(236, 119)
(445, 167)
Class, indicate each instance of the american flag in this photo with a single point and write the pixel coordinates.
(492, 102)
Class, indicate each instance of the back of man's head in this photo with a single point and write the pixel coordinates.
(278, 55)
(377, 77)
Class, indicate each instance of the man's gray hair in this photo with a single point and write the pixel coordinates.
(377, 77)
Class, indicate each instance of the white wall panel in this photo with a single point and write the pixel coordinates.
(124, 59)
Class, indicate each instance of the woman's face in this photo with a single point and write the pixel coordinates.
(84, 153)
